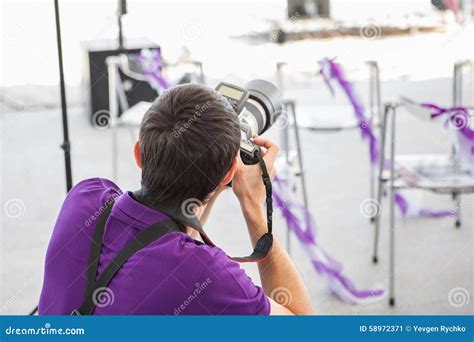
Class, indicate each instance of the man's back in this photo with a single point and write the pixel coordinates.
(173, 275)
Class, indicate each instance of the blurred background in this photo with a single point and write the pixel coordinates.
(418, 49)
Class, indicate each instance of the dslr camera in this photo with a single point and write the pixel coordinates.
(257, 106)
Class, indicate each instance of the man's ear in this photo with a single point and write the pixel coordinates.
(230, 174)
(136, 152)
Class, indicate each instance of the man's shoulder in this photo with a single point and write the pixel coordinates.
(96, 184)
(93, 191)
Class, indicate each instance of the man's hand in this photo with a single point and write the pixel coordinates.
(277, 270)
(247, 183)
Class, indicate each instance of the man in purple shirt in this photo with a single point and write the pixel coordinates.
(188, 151)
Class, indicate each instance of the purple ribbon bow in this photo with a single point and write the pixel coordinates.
(152, 65)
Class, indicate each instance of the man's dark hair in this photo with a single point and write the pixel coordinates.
(188, 140)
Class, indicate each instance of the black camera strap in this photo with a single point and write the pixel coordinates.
(263, 245)
(143, 239)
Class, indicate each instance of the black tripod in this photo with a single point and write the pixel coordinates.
(66, 145)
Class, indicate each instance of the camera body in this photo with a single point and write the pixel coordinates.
(257, 107)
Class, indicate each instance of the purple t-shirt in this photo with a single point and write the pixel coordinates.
(174, 275)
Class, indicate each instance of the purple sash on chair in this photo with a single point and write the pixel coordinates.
(332, 71)
(152, 64)
(458, 120)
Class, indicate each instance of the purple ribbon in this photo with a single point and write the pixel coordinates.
(409, 210)
(331, 70)
(457, 116)
(152, 64)
(301, 223)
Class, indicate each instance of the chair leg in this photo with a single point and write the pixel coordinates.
(377, 218)
(372, 190)
(392, 213)
(458, 211)
(380, 187)
(392, 250)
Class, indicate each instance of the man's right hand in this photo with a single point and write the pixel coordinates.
(277, 271)
(247, 183)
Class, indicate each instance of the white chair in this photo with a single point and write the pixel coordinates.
(328, 118)
(440, 174)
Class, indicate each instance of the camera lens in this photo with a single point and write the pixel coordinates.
(263, 103)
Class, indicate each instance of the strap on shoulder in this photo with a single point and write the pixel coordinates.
(95, 287)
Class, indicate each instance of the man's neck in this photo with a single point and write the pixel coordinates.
(141, 196)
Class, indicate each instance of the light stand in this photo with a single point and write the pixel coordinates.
(66, 145)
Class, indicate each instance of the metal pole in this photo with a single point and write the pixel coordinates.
(66, 145)
(372, 116)
(285, 144)
(380, 182)
(392, 211)
(112, 69)
(300, 157)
